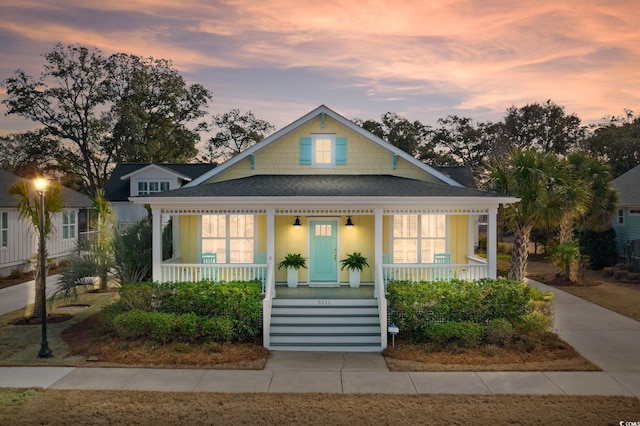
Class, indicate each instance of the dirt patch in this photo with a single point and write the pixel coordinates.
(551, 354)
(51, 319)
(170, 408)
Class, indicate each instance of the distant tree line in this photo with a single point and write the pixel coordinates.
(96, 110)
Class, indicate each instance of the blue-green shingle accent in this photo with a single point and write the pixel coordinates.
(305, 150)
(322, 120)
(341, 151)
(252, 159)
(394, 161)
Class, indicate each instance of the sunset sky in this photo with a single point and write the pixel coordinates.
(423, 59)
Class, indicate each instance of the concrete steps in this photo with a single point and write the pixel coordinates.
(332, 325)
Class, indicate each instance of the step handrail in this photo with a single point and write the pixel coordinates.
(382, 305)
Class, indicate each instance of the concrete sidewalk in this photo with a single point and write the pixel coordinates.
(610, 340)
(21, 295)
(309, 372)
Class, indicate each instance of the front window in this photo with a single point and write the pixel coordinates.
(68, 225)
(323, 149)
(417, 238)
(150, 187)
(621, 217)
(4, 229)
(230, 237)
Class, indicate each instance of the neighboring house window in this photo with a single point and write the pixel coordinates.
(231, 237)
(149, 187)
(620, 217)
(68, 224)
(634, 212)
(417, 238)
(4, 229)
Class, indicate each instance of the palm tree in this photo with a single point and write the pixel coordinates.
(103, 244)
(528, 175)
(29, 211)
(93, 256)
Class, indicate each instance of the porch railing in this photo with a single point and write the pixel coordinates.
(380, 294)
(433, 272)
(173, 272)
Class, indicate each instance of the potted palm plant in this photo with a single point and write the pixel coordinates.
(355, 263)
(293, 262)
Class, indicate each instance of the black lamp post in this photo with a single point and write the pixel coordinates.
(41, 186)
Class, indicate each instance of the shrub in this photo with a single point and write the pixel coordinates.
(600, 247)
(465, 334)
(137, 296)
(188, 328)
(164, 328)
(240, 301)
(217, 330)
(608, 271)
(633, 276)
(502, 268)
(414, 305)
(111, 311)
(533, 326)
(498, 332)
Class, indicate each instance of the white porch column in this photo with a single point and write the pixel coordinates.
(377, 241)
(492, 242)
(472, 234)
(271, 232)
(156, 243)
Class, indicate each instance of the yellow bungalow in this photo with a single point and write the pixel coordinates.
(323, 187)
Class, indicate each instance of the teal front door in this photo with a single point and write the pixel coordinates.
(323, 252)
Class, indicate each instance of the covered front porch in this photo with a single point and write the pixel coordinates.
(424, 245)
(323, 312)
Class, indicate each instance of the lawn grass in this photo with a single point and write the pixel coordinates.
(56, 407)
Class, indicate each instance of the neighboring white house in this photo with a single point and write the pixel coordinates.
(627, 220)
(133, 179)
(323, 187)
(18, 243)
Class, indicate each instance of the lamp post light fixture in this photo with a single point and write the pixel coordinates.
(40, 185)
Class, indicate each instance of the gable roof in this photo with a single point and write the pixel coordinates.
(627, 185)
(322, 109)
(322, 186)
(72, 199)
(117, 187)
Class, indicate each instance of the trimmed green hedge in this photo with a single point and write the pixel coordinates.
(164, 328)
(240, 302)
(420, 309)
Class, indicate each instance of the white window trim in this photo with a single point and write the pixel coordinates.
(418, 238)
(148, 182)
(634, 211)
(228, 238)
(74, 225)
(314, 138)
(4, 230)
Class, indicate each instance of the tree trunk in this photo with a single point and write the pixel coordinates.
(37, 303)
(520, 252)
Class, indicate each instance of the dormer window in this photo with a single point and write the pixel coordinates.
(150, 186)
